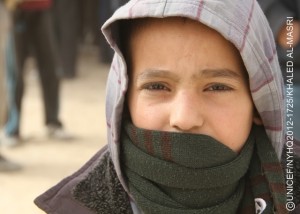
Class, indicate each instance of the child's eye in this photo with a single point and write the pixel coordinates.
(155, 87)
(219, 88)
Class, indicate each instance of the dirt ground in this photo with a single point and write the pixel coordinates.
(45, 162)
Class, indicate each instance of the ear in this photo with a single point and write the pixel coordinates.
(256, 118)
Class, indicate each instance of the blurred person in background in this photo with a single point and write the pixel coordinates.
(5, 164)
(277, 12)
(89, 26)
(105, 11)
(33, 33)
(66, 22)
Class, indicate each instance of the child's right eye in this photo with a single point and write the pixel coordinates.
(156, 87)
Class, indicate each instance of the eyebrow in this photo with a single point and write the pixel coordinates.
(157, 73)
(205, 73)
(223, 73)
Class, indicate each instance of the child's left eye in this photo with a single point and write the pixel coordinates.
(219, 88)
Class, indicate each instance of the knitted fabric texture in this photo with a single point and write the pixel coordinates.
(185, 173)
(101, 191)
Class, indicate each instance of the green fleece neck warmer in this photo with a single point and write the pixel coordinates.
(172, 173)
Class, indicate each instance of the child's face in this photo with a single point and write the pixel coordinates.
(185, 77)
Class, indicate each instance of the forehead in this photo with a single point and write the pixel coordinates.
(178, 31)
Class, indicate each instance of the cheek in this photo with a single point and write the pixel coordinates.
(231, 111)
(235, 123)
(145, 115)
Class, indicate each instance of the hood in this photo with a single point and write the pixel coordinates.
(242, 22)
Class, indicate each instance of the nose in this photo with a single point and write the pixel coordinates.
(186, 113)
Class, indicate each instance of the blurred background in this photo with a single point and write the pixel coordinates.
(45, 161)
(54, 63)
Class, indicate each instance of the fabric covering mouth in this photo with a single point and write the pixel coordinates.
(178, 169)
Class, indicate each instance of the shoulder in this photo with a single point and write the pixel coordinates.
(94, 188)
